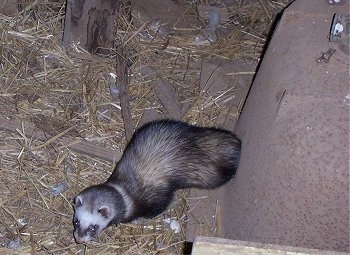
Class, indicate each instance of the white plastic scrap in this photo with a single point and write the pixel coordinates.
(14, 244)
(214, 19)
(208, 35)
(21, 222)
(59, 188)
(114, 90)
(173, 224)
(338, 29)
(334, 1)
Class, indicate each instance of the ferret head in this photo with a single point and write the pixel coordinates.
(95, 208)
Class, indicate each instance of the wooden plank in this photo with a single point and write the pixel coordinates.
(8, 7)
(165, 92)
(122, 82)
(220, 78)
(75, 144)
(150, 115)
(220, 246)
(90, 24)
(168, 97)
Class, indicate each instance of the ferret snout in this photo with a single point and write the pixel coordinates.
(81, 239)
(78, 240)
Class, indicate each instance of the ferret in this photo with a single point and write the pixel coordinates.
(161, 157)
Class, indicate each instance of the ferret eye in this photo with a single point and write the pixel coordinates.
(93, 229)
(76, 222)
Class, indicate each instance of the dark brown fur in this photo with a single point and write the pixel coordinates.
(164, 156)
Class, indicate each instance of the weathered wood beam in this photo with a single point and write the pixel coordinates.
(91, 24)
(75, 144)
(122, 82)
(8, 7)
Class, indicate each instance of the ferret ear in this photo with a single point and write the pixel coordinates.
(78, 201)
(105, 211)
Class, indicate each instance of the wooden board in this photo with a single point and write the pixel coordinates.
(8, 7)
(90, 24)
(75, 144)
(165, 93)
(219, 246)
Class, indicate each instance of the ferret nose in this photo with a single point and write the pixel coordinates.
(78, 239)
